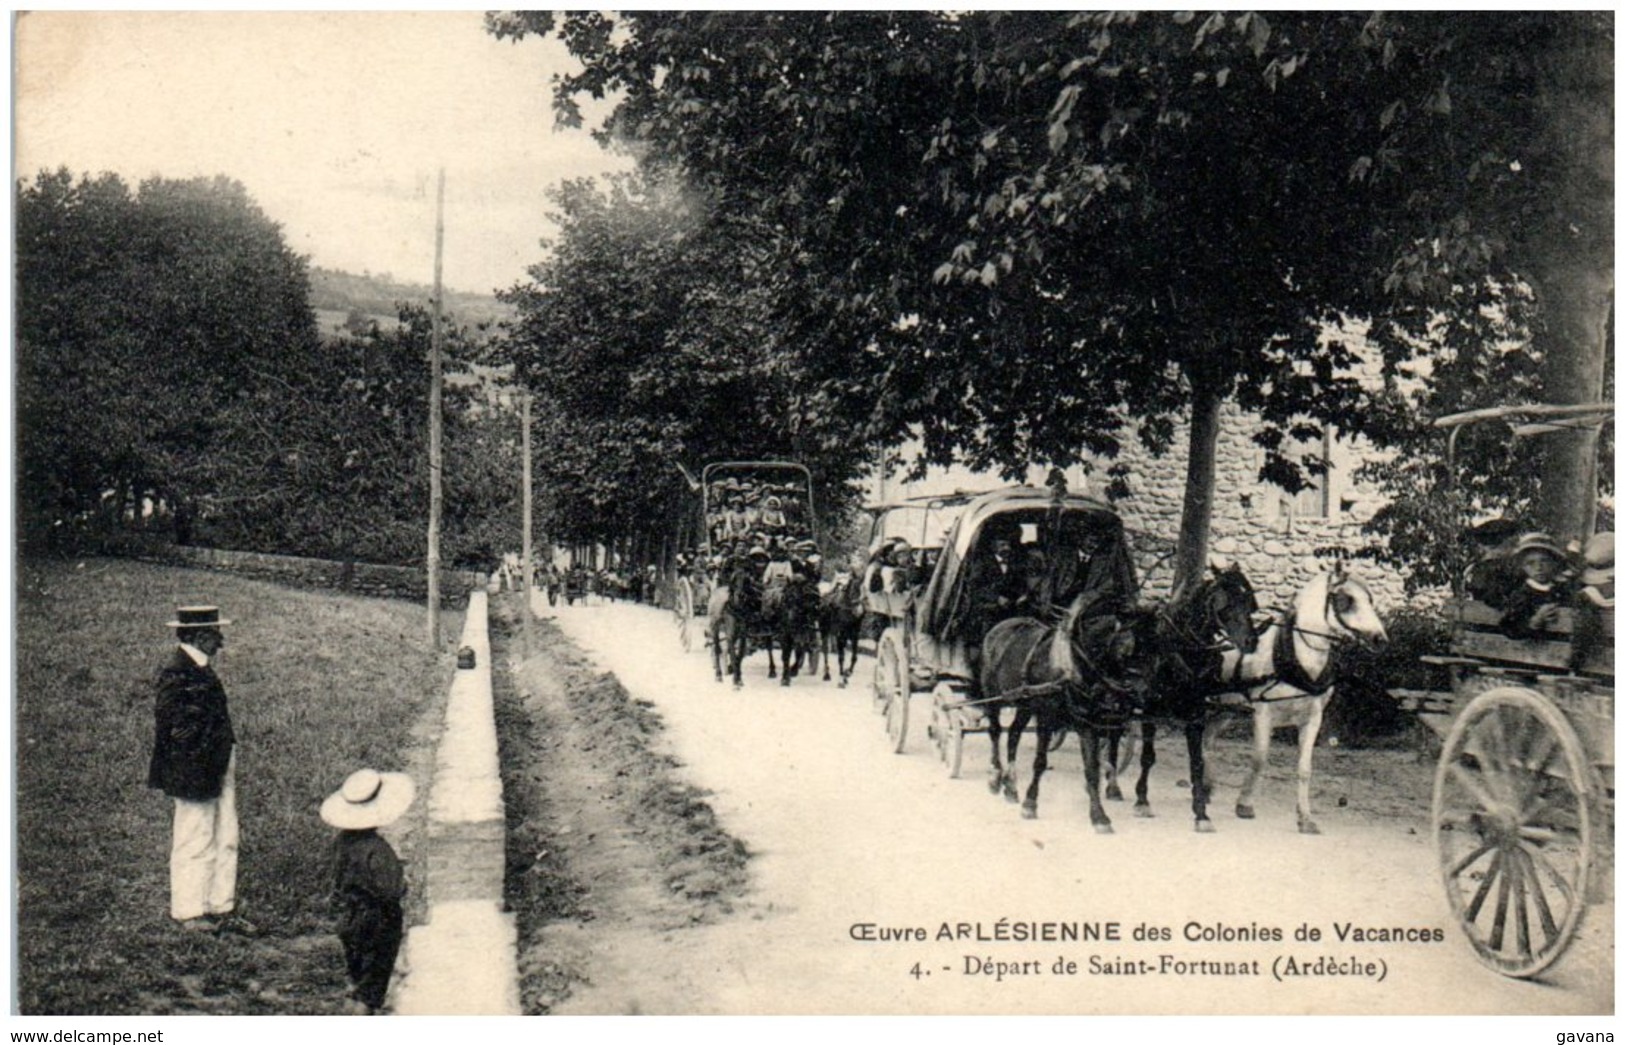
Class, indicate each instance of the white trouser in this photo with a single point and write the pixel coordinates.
(203, 855)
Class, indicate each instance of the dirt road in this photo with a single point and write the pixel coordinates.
(878, 885)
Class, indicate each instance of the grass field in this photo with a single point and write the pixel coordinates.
(319, 685)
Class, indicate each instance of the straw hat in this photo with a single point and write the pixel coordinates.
(1599, 556)
(198, 617)
(1532, 542)
(369, 799)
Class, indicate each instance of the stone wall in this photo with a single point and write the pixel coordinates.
(355, 578)
(1272, 535)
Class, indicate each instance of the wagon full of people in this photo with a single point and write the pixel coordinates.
(760, 567)
(1523, 789)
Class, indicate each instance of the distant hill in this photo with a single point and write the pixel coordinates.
(334, 295)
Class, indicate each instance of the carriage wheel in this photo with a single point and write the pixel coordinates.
(891, 679)
(880, 692)
(948, 731)
(1512, 816)
(685, 614)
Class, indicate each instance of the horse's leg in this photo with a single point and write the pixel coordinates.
(1148, 758)
(1195, 728)
(1306, 753)
(823, 641)
(1089, 741)
(719, 636)
(1013, 744)
(995, 779)
(738, 643)
(1029, 805)
(1263, 726)
(772, 672)
(1114, 793)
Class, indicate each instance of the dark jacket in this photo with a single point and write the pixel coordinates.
(368, 878)
(193, 740)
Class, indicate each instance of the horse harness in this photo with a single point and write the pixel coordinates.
(1288, 670)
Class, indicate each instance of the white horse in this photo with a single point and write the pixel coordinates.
(1291, 676)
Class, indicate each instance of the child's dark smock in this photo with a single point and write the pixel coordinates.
(368, 884)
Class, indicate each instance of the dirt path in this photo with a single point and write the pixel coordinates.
(847, 841)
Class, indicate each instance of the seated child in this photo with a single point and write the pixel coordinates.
(1531, 608)
(368, 880)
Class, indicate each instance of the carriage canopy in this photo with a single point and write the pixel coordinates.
(1081, 538)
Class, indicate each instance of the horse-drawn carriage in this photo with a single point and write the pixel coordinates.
(1523, 792)
(1005, 553)
(760, 523)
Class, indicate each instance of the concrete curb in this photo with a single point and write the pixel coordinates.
(463, 960)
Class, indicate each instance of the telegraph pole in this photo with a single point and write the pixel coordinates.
(434, 420)
(524, 442)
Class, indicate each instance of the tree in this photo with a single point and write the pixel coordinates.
(1160, 211)
(149, 326)
(648, 338)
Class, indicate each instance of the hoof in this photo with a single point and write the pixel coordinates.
(994, 783)
(1308, 827)
(1244, 812)
(1204, 827)
(1114, 793)
(785, 681)
(1009, 792)
(1143, 811)
(1103, 829)
(842, 684)
(1029, 812)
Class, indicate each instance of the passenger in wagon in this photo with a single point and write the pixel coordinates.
(1531, 609)
(1594, 601)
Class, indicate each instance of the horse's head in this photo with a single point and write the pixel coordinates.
(1227, 608)
(1348, 610)
(1107, 644)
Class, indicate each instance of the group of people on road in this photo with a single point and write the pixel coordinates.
(194, 763)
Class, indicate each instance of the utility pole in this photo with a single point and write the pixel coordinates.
(524, 442)
(433, 565)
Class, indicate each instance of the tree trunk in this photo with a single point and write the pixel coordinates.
(1569, 256)
(1576, 307)
(1190, 557)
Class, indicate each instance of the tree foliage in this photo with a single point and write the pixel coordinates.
(650, 340)
(151, 327)
(1025, 234)
(167, 356)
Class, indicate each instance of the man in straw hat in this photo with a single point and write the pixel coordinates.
(368, 880)
(194, 762)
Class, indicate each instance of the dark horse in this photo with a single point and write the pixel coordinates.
(1085, 674)
(840, 622)
(1176, 655)
(1193, 632)
(733, 610)
(790, 618)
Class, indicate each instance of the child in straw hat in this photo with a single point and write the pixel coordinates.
(368, 879)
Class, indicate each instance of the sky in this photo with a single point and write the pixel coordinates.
(337, 123)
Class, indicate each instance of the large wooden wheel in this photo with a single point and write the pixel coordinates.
(1513, 819)
(880, 692)
(683, 606)
(948, 731)
(891, 687)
